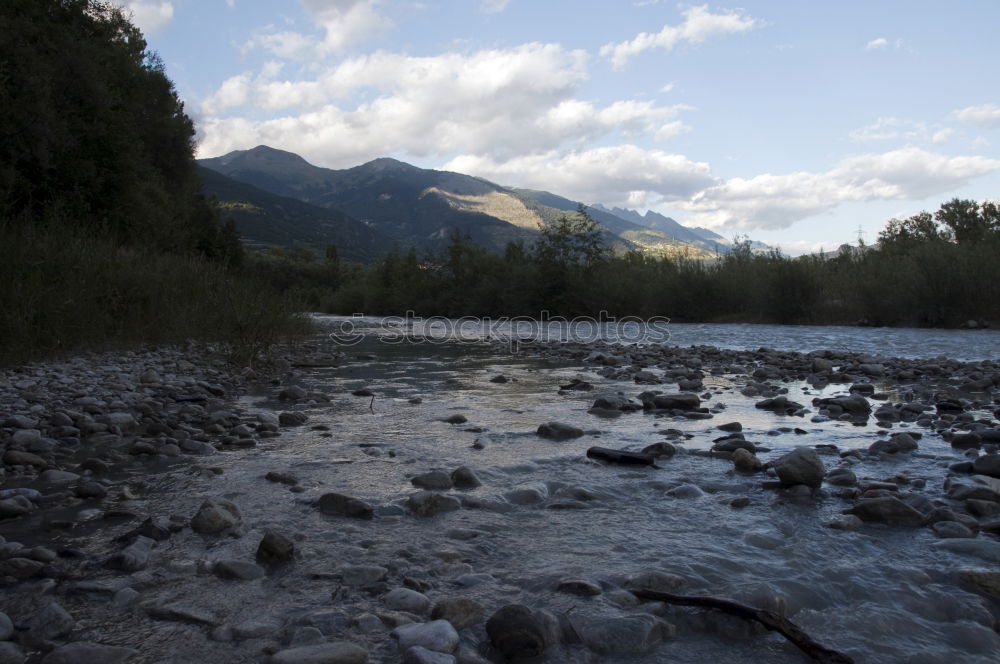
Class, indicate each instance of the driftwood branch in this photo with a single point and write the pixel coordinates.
(768, 619)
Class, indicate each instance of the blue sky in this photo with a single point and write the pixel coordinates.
(794, 122)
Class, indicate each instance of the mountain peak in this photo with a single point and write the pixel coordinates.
(263, 154)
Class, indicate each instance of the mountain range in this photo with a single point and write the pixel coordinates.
(277, 198)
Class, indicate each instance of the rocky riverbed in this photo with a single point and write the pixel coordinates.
(459, 504)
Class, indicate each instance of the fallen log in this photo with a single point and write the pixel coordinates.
(768, 619)
(621, 456)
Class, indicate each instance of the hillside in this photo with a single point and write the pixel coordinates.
(265, 219)
(419, 207)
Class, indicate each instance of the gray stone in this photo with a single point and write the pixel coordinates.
(580, 587)
(180, 613)
(746, 461)
(428, 503)
(517, 632)
(275, 547)
(681, 401)
(888, 510)
(50, 623)
(627, 635)
(238, 570)
(405, 599)
(6, 627)
(135, 556)
(15, 506)
(559, 431)
(11, 653)
(20, 568)
(464, 478)
(841, 477)
(800, 466)
(421, 655)
(435, 480)
(686, 491)
(292, 419)
(53, 476)
(437, 635)
(951, 529)
(19, 458)
(82, 652)
(988, 464)
(337, 652)
(292, 393)
(341, 505)
(362, 575)
(459, 611)
(216, 515)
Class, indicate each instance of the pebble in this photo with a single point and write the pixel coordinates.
(437, 635)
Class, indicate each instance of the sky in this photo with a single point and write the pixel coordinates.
(803, 124)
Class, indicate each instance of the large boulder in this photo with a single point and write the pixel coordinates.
(800, 466)
(888, 510)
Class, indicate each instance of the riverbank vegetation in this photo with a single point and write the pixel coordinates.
(106, 238)
(930, 270)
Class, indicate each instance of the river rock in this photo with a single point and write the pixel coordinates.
(421, 655)
(982, 580)
(626, 635)
(779, 404)
(679, 401)
(292, 418)
(800, 466)
(428, 503)
(580, 587)
(405, 599)
(888, 510)
(362, 575)
(341, 505)
(19, 458)
(15, 506)
(275, 547)
(238, 570)
(292, 393)
(11, 653)
(559, 431)
(841, 477)
(82, 652)
(6, 627)
(437, 635)
(951, 529)
(459, 611)
(517, 632)
(855, 404)
(216, 515)
(50, 623)
(20, 568)
(464, 477)
(745, 460)
(966, 441)
(436, 480)
(988, 464)
(337, 652)
(135, 556)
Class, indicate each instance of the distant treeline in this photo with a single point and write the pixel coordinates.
(105, 237)
(927, 270)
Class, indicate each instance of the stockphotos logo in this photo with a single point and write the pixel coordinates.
(413, 329)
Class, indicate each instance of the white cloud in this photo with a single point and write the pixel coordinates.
(777, 201)
(699, 24)
(499, 103)
(342, 23)
(494, 6)
(667, 88)
(233, 92)
(877, 44)
(150, 15)
(986, 115)
(942, 136)
(617, 175)
(890, 128)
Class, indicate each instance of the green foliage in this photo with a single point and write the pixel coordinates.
(107, 239)
(93, 134)
(918, 274)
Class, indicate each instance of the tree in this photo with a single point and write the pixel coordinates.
(963, 218)
(572, 240)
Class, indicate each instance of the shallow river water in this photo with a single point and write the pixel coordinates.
(546, 513)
